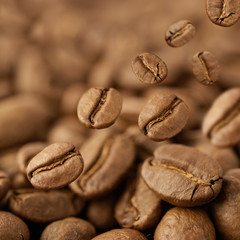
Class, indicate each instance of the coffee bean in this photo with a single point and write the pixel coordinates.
(149, 68)
(4, 184)
(180, 33)
(222, 122)
(42, 207)
(27, 152)
(117, 234)
(32, 114)
(99, 107)
(182, 175)
(226, 209)
(205, 67)
(55, 166)
(185, 224)
(12, 227)
(139, 207)
(164, 116)
(223, 12)
(107, 158)
(69, 228)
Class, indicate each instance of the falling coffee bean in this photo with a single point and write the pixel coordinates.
(180, 33)
(149, 68)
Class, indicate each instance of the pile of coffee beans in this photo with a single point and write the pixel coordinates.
(119, 120)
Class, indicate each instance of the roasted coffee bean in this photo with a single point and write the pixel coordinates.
(182, 175)
(100, 212)
(223, 12)
(42, 207)
(32, 114)
(234, 172)
(12, 227)
(107, 158)
(222, 122)
(226, 209)
(180, 33)
(139, 207)
(4, 184)
(205, 67)
(55, 166)
(185, 224)
(149, 68)
(164, 116)
(99, 107)
(69, 228)
(120, 234)
(27, 152)
(226, 157)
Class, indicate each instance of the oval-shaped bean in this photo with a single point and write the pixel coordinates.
(164, 116)
(183, 176)
(99, 107)
(55, 166)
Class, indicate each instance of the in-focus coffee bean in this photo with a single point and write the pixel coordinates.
(164, 116)
(222, 121)
(205, 67)
(223, 12)
(149, 68)
(42, 207)
(185, 224)
(180, 33)
(12, 227)
(183, 176)
(55, 166)
(99, 107)
(118, 234)
(69, 228)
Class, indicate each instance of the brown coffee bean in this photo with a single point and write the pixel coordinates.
(23, 118)
(149, 68)
(226, 209)
(223, 12)
(12, 227)
(164, 116)
(182, 175)
(107, 158)
(205, 67)
(99, 107)
(234, 172)
(42, 207)
(180, 33)
(120, 234)
(55, 166)
(27, 152)
(226, 157)
(4, 184)
(222, 122)
(185, 224)
(100, 212)
(69, 228)
(138, 207)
